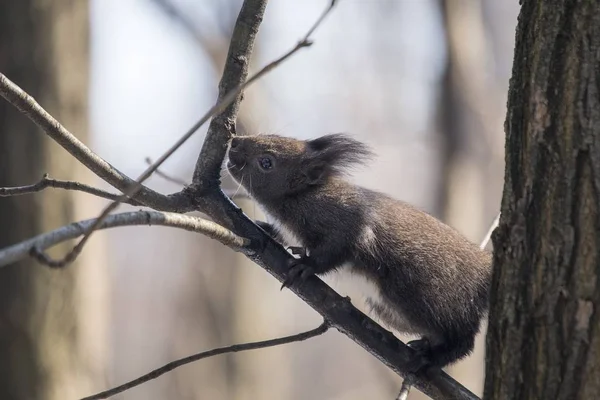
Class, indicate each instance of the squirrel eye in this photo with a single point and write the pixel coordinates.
(265, 163)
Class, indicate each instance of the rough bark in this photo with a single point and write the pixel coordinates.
(43, 351)
(544, 336)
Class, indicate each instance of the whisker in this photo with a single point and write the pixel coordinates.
(238, 188)
(254, 202)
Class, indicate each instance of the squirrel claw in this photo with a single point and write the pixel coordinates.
(298, 272)
(420, 345)
(297, 251)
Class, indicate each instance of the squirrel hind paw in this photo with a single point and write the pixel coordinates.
(298, 273)
(420, 345)
(421, 358)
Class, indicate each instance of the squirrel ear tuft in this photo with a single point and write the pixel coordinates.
(338, 152)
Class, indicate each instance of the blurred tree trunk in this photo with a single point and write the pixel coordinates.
(468, 126)
(469, 123)
(544, 332)
(51, 321)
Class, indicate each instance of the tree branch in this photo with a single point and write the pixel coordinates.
(47, 182)
(232, 96)
(44, 241)
(199, 356)
(271, 256)
(179, 181)
(222, 127)
(404, 390)
(235, 73)
(205, 195)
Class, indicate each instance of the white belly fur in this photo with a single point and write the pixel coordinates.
(364, 294)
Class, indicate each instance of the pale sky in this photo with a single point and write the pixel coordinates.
(150, 84)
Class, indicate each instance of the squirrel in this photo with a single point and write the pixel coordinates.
(429, 280)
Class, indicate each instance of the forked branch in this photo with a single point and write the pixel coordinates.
(130, 189)
(204, 195)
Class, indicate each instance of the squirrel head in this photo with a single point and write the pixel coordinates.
(271, 166)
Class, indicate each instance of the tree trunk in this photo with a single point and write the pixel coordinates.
(544, 329)
(51, 335)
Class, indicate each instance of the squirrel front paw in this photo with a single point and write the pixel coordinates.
(299, 268)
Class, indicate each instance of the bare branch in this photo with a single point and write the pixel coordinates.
(199, 356)
(44, 241)
(269, 254)
(237, 194)
(204, 195)
(132, 190)
(404, 390)
(233, 95)
(47, 182)
(222, 127)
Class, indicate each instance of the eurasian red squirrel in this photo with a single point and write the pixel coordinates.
(429, 280)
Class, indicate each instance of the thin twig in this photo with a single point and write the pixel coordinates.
(270, 255)
(47, 182)
(133, 189)
(488, 235)
(405, 389)
(209, 161)
(230, 349)
(35, 245)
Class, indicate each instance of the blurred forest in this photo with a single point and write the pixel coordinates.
(422, 81)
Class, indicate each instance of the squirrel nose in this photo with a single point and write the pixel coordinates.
(235, 142)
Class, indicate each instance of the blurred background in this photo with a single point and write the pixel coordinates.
(422, 81)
